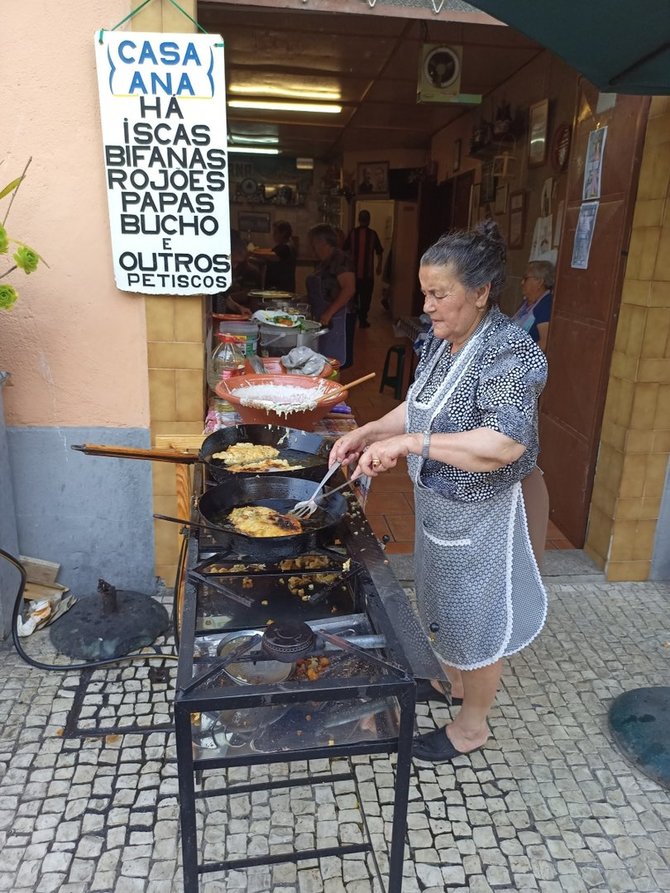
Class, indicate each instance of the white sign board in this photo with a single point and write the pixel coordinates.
(163, 110)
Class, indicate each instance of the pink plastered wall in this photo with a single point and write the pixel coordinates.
(75, 345)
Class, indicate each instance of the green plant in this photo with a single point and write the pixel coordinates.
(24, 258)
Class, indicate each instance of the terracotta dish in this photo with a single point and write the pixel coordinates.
(304, 419)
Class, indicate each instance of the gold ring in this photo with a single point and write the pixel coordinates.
(376, 462)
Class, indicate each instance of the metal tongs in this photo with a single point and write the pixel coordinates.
(306, 507)
(350, 483)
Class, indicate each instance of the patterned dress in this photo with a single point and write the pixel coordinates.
(323, 289)
(479, 592)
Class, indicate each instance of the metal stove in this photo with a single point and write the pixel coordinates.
(280, 662)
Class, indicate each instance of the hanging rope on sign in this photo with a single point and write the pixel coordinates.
(190, 17)
(146, 3)
(437, 9)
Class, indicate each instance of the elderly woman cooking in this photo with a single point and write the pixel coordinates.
(468, 429)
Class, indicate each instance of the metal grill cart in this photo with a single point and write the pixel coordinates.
(282, 664)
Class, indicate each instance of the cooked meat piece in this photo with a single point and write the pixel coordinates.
(235, 569)
(299, 585)
(304, 563)
(242, 453)
(264, 465)
(261, 521)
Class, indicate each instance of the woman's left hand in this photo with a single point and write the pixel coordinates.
(383, 455)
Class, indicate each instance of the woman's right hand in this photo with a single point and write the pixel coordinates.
(348, 448)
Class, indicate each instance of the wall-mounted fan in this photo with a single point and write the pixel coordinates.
(439, 72)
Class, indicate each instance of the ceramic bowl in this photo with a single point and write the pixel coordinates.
(304, 419)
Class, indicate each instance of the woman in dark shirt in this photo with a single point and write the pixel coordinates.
(280, 273)
(331, 289)
(534, 314)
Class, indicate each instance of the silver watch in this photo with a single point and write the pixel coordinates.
(426, 445)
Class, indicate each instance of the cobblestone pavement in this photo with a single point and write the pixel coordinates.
(550, 805)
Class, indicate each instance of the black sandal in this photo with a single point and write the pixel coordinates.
(426, 691)
(436, 747)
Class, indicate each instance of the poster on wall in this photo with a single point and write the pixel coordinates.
(163, 114)
(586, 224)
(541, 246)
(594, 164)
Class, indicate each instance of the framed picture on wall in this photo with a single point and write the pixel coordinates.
(488, 184)
(457, 155)
(538, 119)
(500, 206)
(473, 215)
(517, 219)
(372, 178)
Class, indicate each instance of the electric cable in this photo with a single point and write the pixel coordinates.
(39, 665)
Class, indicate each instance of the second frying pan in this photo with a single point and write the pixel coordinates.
(298, 447)
(280, 493)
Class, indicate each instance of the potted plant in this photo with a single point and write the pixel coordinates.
(15, 256)
(24, 258)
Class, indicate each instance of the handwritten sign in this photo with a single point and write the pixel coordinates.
(163, 112)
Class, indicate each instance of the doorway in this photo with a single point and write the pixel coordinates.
(382, 213)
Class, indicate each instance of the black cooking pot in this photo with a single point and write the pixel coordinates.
(280, 493)
(297, 447)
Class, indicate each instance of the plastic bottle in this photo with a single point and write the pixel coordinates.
(227, 360)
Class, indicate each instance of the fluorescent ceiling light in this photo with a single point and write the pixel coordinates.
(239, 138)
(325, 94)
(321, 108)
(253, 150)
(304, 164)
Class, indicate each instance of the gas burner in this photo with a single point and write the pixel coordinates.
(288, 640)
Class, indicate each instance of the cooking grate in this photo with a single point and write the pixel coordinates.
(234, 593)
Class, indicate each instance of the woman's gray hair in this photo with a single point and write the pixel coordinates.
(478, 257)
(543, 270)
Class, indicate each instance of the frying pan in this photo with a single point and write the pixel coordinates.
(277, 492)
(297, 447)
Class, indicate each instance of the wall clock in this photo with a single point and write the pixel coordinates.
(248, 187)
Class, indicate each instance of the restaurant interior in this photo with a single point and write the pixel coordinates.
(350, 96)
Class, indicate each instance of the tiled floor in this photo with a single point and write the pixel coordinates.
(390, 506)
(549, 806)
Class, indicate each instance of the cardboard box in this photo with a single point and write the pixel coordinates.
(37, 591)
(40, 571)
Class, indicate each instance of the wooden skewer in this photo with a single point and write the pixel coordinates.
(352, 384)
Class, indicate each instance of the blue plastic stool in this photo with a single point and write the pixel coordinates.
(394, 380)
